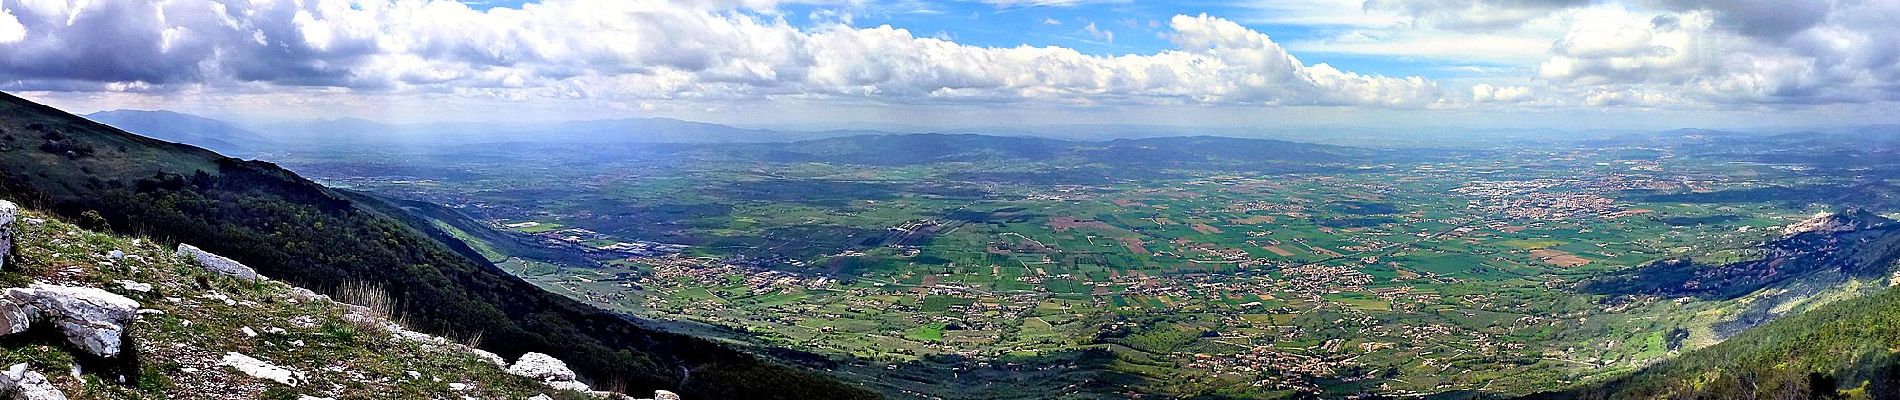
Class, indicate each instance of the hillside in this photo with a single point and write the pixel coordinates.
(1842, 349)
(209, 333)
(308, 235)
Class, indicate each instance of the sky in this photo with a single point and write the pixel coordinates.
(935, 64)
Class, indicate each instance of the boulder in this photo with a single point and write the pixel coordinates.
(541, 367)
(219, 264)
(569, 385)
(91, 318)
(548, 370)
(8, 213)
(665, 395)
(19, 383)
(13, 317)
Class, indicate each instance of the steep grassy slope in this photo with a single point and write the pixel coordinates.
(295, 230)
(193, 318)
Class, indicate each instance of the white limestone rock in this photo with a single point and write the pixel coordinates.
(542, 367)
(134, 286)
(20, 383)
(569, 385)
(261, 369)
(91, 318)
(490, 357)
(14, 317)
(1846, 221)
(219, 264)
(1822, 222)
(548, 370)
(665, 395)
(8, 213)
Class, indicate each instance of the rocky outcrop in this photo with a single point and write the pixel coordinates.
(549, 370)
(92, 319)
(1825, 222)
(19, 383)
(219, 264)
(261, 369)
(8, 213)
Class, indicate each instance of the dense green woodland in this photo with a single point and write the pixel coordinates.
(295, 230)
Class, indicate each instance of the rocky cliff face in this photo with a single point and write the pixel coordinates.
(1826, 222)
(92, 315)
(1826, 249)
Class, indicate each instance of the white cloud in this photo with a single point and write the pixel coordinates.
(1486, 93)
(10, 29)
(1555, 53)
(643, 49)
(1647, 57)
(1102, 34)
(1613, 45)
(1473, 15)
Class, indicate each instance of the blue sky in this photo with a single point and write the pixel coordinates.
(1137, 27)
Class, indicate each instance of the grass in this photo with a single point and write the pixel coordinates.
(926, 333)
(192, 328)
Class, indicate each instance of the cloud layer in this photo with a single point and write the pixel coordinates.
(1675, 52)
(1546, 54)
(632, 49)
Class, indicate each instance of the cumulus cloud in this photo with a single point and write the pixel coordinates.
(1633, 57)
(10, 28)
(1486, 93)
(1762, 18)
(637, 49)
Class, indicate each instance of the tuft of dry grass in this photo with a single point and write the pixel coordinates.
(374, 297)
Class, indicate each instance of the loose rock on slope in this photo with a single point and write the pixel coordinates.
(8, 213)
(219, 264)
(20, 383)
(549, 370)
(91, 318)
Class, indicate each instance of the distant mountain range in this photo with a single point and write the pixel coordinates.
(189, 129)
(633, 130)
(238, 139)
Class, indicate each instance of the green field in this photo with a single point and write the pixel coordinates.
(1449, 273)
